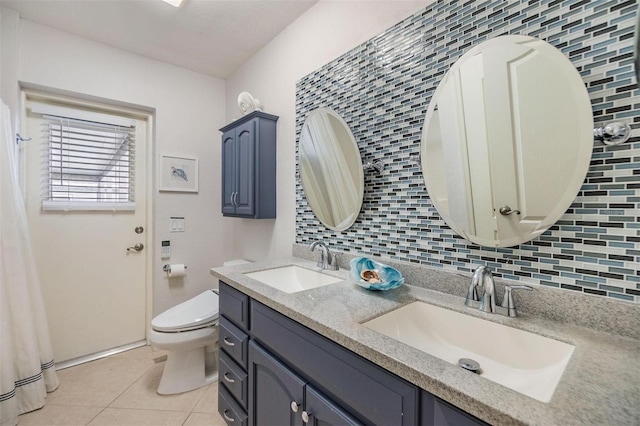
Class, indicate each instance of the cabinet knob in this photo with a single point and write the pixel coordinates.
(294, 406)
(305, 417)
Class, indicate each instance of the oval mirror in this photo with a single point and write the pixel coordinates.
(507, 141)
(331, 169)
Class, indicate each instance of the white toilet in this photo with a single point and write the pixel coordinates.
(189, 332)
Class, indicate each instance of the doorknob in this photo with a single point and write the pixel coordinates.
(137, 247)
(506, 211)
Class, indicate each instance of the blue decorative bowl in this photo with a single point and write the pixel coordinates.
(373, 275)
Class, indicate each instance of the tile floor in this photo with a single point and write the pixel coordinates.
(120, 390)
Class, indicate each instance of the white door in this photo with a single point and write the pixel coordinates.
(94, 288)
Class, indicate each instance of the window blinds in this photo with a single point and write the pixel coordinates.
(90, 165)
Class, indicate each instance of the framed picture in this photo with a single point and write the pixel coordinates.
(178, 174)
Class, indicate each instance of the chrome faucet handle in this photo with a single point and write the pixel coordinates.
(332, 263)
(475, 288)
(324, 253)
(488, 298)
(507, 299)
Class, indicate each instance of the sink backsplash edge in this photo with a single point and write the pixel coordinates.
(598, 313)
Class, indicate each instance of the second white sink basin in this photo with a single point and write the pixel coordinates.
(292, 279)
(523, 361)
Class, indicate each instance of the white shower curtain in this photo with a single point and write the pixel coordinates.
(27, 370)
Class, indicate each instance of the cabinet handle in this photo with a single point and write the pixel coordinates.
(227, 418)
(228, 379)
(228, 342)
(305, 417)
(235, 198)
(294, 406)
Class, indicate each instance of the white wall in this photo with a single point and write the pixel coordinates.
(189, 109)
(324, 32)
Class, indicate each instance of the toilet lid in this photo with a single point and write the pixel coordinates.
(195, 312)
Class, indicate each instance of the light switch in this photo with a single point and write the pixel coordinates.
(176, 224)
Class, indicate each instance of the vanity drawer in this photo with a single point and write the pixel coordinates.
(335, 371)
(229, 409)
(233, 378)
(233, 341)
(234, 305)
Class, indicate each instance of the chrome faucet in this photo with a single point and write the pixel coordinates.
(482, 294)
(327, 260)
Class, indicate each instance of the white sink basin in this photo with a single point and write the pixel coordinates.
(292, 279)
(523, 361)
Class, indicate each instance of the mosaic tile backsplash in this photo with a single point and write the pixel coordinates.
(382, 89)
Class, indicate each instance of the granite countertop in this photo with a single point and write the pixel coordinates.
(601, 384)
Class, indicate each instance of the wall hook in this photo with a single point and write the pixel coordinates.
(21, 139)
(377, 166)
(613, 133)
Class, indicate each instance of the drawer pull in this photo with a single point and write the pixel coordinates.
(228, 342)
(228, 379)
(227, 418)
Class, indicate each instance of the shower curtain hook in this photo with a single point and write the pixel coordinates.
(21, 139)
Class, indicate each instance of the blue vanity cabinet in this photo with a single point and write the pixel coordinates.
(281, 397)
(289, 363)
(249, 166)
(367, 392)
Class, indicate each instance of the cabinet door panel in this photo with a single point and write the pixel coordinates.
(245, 161)
(228, 171)
(324, 412)
(272, 389)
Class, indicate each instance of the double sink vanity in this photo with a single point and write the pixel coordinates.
(366, 357)
(302, 343)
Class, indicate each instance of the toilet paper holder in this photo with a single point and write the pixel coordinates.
(167, 267)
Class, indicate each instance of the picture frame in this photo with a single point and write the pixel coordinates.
(178, 174)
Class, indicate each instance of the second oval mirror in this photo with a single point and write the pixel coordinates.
(331, 169)
(507, 141)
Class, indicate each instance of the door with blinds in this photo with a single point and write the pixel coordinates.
(87, 207)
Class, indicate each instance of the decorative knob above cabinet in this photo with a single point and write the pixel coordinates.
(249, 167)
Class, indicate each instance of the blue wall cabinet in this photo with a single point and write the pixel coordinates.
(249, 166)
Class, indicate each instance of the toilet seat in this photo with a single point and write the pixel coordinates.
(198, 312)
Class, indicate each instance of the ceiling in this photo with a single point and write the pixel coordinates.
(213, 37)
